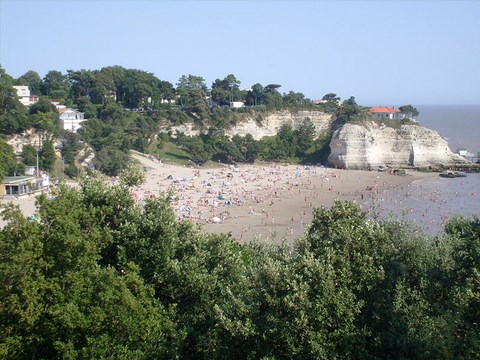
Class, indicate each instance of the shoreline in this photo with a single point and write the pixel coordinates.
(269, 202)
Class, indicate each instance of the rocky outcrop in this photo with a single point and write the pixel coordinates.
(369, 145)
(262, 124)
(269, 124)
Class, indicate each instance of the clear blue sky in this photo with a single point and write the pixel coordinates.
(381, 52)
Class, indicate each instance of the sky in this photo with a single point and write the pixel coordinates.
(382, 52)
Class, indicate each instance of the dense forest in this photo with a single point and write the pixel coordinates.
(126, 108)
(95, 276)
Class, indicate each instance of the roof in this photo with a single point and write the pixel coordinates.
(384, 109)
(17, 179)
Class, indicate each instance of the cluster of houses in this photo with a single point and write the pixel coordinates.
(69, 119)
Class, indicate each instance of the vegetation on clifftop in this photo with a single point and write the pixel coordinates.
(126, 108)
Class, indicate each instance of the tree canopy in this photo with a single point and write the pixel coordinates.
(95, 275)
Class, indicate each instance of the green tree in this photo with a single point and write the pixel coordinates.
(306, 134)
(55, 85)
(193, 94)
(43, 105)
(294, 100)
(47, 156)
(256, 95)
(288, 138)
(272, 97)
(332, 103)
(226, 90)
(32, 79)
(44, 123)
(8, 162)
(29, 155)
(331, 97)
(81, 83)
(348, 110)
(409, 111)
(12, 113)
(58, 301)
(199, 152)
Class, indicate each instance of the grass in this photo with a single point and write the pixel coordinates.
(170, 153)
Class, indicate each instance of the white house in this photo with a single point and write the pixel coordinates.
(236, 104)
(386, 113)
(24, 95)
(23, 185)
(71, 120)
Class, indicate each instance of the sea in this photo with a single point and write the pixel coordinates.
(431, 202)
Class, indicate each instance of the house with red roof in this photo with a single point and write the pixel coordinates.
(386, 112)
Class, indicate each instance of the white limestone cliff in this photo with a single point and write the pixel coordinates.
(268, 125)
(369, 145)
(260, 124)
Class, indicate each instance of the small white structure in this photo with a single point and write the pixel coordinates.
(71, 120)
(24, 95)
(60, 108)
(236, 104)
(386, 113)
(23, 185)
(30, 170)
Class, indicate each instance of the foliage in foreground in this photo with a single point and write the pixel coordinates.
(97, 276)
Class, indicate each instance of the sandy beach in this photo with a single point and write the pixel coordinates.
(267, 202)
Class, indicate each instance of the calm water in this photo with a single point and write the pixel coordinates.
(458, 124)
(430, 203)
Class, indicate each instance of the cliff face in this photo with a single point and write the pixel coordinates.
(268, 124)
(360, 146)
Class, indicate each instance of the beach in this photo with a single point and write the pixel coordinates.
(270, 202)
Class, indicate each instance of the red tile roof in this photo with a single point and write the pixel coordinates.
(384, 110)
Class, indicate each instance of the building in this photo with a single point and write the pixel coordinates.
(71, 119)
(236, 104)
(386, 113)
(23, 185)
(24, 95)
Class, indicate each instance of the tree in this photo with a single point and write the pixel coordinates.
(43, 105)
(55, 85)
(8, 162)
(29, 155)
(348, 110)
(13, 117)
(199, 152)
(81, 82)
(293, 100)
(132, 176)
(45, 123)
(331, 103)
(256, 95)
(331, 97)
(47, 156)
(305, 134)
(409, 111)
(273, 99)
(58, 301)
(287, 136)
(226, 90)
(32, 80)
(193, 93)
